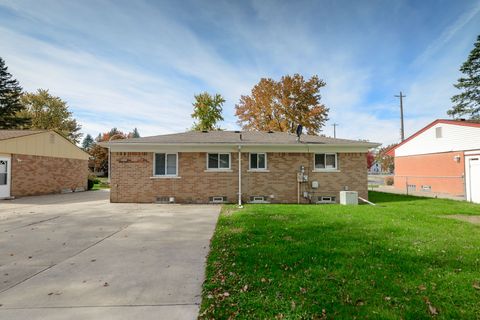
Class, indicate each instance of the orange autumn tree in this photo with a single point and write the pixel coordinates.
(282, 105)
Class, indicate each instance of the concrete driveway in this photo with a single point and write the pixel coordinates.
(77, 256)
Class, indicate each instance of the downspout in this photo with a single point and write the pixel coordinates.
(109, 164)
(240, 176)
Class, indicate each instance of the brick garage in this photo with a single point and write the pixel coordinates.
(133, 176)
(40, 162)
(441, 159)
(34, 175)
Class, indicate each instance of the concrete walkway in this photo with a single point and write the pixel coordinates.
(77, 256)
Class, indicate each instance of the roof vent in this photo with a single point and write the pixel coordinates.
(205, 131)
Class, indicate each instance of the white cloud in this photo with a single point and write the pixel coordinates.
(448, 34)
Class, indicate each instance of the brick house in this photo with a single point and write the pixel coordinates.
(203, 167)
(442, 158)
(35, 162)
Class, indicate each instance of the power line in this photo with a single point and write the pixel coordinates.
(402, 129)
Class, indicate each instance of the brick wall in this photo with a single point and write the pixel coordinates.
(36, 175)
(131, 178)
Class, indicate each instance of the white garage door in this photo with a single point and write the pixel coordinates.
(473, 179)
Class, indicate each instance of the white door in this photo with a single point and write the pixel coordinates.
(4, 177)
(473, 180)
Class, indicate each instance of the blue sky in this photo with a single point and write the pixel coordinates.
(138, 63)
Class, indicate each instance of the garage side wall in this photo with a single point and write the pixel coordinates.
(132, 178)
(438, 173)
(37, 175)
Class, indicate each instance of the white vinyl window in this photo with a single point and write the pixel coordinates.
(258, 161)
(165, 164)
(218, 161)
(326, 161)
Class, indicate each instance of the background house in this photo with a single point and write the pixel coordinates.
(376, 168)
(40, 162)
(217, 166)
(442, 158)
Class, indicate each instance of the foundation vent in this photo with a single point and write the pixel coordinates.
(217, 199)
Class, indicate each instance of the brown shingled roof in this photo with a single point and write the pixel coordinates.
(235, 137)
(10, 134)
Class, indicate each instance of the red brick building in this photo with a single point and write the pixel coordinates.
(35, 162)
(442, 158)
(228, 166)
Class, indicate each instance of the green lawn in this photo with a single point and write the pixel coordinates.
(101, 184)
(400, 259)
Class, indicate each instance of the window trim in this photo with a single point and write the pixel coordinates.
(219, 169)
(250, 162)
(155, 165)
(315, 169)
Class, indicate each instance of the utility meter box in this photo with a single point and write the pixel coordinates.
(349, 197)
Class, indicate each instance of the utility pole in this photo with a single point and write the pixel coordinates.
(402, 128)
(335, 129)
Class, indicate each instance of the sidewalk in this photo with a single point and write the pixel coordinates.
(391, 189)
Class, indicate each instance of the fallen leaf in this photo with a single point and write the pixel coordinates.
(359, 302)
(433, 311)
(476, 285)
(293, 305)
(422, 287)
(387, 298)
(226, 294)
(263, 280)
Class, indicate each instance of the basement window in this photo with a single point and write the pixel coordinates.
(165, 164)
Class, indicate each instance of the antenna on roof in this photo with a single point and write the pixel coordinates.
(299, 131)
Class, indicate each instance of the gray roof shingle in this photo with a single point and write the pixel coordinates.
(235, 137)
(9, 134)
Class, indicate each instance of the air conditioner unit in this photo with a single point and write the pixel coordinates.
(349, 197)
